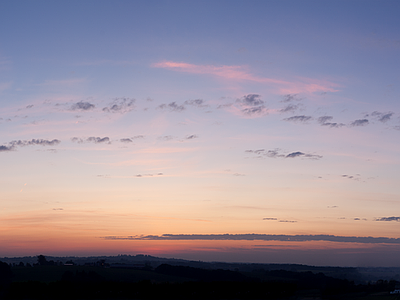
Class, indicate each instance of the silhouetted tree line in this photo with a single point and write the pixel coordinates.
(200, 284)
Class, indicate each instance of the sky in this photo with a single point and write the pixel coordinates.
(240, 131)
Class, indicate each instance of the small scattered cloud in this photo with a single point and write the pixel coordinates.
(259, 151)
(388, 219)
(58, 208)
(255, 111)
(290, 98)
(92, 139)
(301, 154)
(333, 206)
(270, 219)
(298, 119)
(361, 122)
(325, 121)
(82, 106)
(29, 106)
(197, 103)
(6, 148)
(251, 100)
(166, 137)
(127, 140)
(148, 175)
(382, 117)
(138, 137)
(120, 105)
(276, 153)
(295, 154)
(173, 106)
(238, 174)
(98, 140)
(290, 108)
(252, 105)
(354, 177)
(249, 106)
(226, 105)
(191, 137)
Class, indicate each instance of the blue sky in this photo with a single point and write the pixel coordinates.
(127, 119)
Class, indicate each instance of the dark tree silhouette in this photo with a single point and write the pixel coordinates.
(42, 261)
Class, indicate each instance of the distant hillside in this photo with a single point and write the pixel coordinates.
(358, 275)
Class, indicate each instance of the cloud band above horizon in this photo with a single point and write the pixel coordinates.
(261, 237)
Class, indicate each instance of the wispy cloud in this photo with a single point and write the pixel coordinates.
(361, 122)
(92, 139)
(302, 154)
(354, 177)
(242, 73)
(276, 153)
(127, 140)
(382, 117)
(82, 106)
(290, 108)
(290, 98)
(298, 119)
(35, 142)
(166, 137)
(196, 102)
(173, 106)
(388, 219)
(261, 237)
(22, 143)
(325, 121)
(229, 72)
(191, 137)
(249, 106)
(120, 105)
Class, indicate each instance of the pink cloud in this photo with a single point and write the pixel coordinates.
(242, 73)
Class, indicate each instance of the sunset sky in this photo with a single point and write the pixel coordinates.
(251, 131)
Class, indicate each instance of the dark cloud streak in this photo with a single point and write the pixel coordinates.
(82, 106)
(296, 119)
(261, 237)
(361, 122)
(389, 219)
(91, 139)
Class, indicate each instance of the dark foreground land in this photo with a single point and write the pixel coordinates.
(101, 280)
